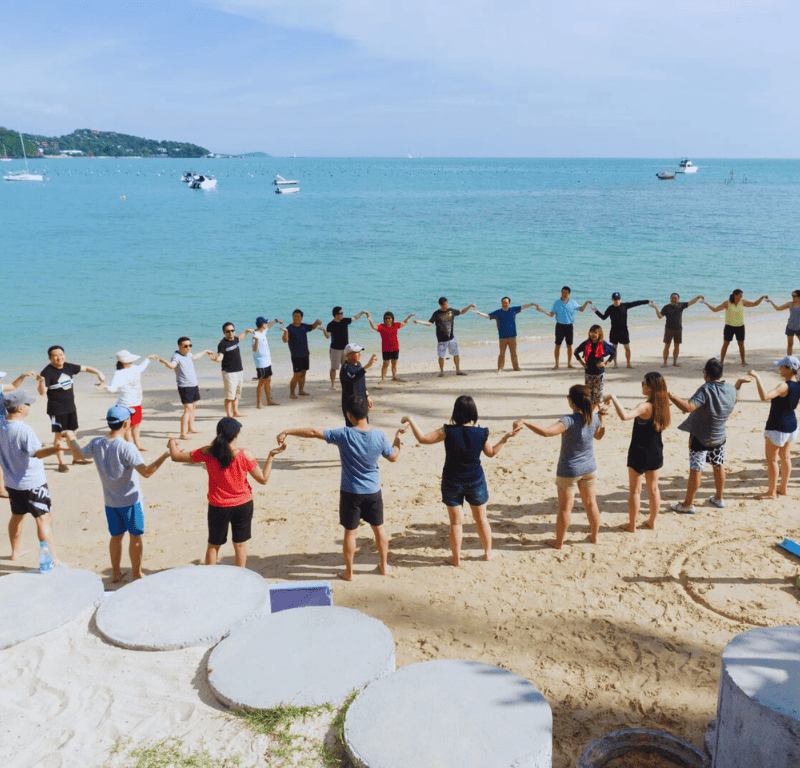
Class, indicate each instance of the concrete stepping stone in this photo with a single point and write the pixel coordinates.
(304, 656)
(34, 603)
(194, 605)
(450, 714)
(758, 710)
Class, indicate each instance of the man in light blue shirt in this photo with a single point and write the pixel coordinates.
(115, 460)
(564, 313)
(360, 447)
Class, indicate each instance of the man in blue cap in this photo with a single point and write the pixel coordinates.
(115, 459)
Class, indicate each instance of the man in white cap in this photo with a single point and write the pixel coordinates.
(352, 376)
(8, 388)
(115, 459)
(21, 455)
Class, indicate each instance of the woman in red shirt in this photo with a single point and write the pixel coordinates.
(390, 346)
(230, 497)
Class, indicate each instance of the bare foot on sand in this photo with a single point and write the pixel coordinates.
(490, 555)
(627, 528)
(344, 576)
(441, 374)
(460, 373)
(80, 462)
(383, 571)
(454, 563)
(239, 415)
(554, 544)
(305, 394)
(183, 437)
(116, 578)
(194, 431)
(293, 395)
(273, 402)
(141, 448)
(764, 496)
(21, 553)
(651, 524)
(397, 378)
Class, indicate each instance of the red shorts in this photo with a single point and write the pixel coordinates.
(136, 416)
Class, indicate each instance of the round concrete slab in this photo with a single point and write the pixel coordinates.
(195, 605)
(34, 603)
(450, 714)
(304, 656)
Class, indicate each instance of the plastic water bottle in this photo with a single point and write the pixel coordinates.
(45, 558)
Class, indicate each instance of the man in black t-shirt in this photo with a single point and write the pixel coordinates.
(443, 318)
(232, 372)
(338, 333)
(353, 377)
(56, 381)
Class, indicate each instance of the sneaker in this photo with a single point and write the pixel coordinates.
(678, 507)
(718, 503)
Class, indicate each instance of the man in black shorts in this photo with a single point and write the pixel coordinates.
(360, 497)
(21, 455)
(296, 336)
(618, 312)
(56, 381)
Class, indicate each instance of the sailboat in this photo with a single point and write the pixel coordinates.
(20, 175)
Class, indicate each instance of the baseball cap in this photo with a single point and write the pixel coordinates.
(353, 348)
(615, 295)
(127, 357)
(117, 414)
(19, 397)
(261, 321)
(790, 361)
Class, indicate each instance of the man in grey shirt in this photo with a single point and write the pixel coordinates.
(708, 409)
(116, 459)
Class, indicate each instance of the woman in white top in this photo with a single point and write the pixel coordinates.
(734, 320)
(127, 380)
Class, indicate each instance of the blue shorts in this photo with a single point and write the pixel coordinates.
(455, 492)
(130, 519)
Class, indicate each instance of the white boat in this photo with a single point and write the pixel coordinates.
(203, 182)
(25, 175)
(285, 186)
(686, 166)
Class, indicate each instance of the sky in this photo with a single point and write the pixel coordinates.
(427, 78)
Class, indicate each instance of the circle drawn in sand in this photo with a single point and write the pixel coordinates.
(746, 579)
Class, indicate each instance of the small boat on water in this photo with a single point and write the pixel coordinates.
(686, 166)
(664, 175)
(203, 182)
(25, 175)
(285, 186)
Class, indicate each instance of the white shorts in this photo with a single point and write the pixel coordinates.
(232, 382)
(337, 359)
(779, 439)
(448, 346)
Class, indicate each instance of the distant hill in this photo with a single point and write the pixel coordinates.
(93, 143)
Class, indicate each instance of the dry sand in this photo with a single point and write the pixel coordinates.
(625, 633)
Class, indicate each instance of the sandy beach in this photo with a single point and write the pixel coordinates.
(625, 633)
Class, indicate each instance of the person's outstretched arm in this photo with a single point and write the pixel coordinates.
(492, 450)
(261, 473)
(302, 432)
(781, 307)
(701, 298)
(146, 470)
(756, 302)
(371, 324)
(718, 308)
(175, 452)
(432, 437)
(551, 431)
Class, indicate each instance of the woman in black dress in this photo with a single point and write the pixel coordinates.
(646, 451)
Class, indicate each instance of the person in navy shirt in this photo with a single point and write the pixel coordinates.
(506, 319)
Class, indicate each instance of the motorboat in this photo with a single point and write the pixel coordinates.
(686, 166)
(664, 175)
(188, 177)
(203, 182)
(285, 186)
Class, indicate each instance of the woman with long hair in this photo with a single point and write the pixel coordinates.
(576, 462)
(734, 320)
(230, 497)
(646, 451)
(592, 355)
(781, 428)
(793, 324)
(462, 476)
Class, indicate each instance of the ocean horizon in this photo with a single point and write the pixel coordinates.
(111, 253)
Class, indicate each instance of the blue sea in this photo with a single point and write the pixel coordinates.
(110, 253)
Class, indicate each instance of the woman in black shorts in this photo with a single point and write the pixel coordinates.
(646, 451)
(462, 476)
(230, 497)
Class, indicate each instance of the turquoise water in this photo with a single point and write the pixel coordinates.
(109, 253)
